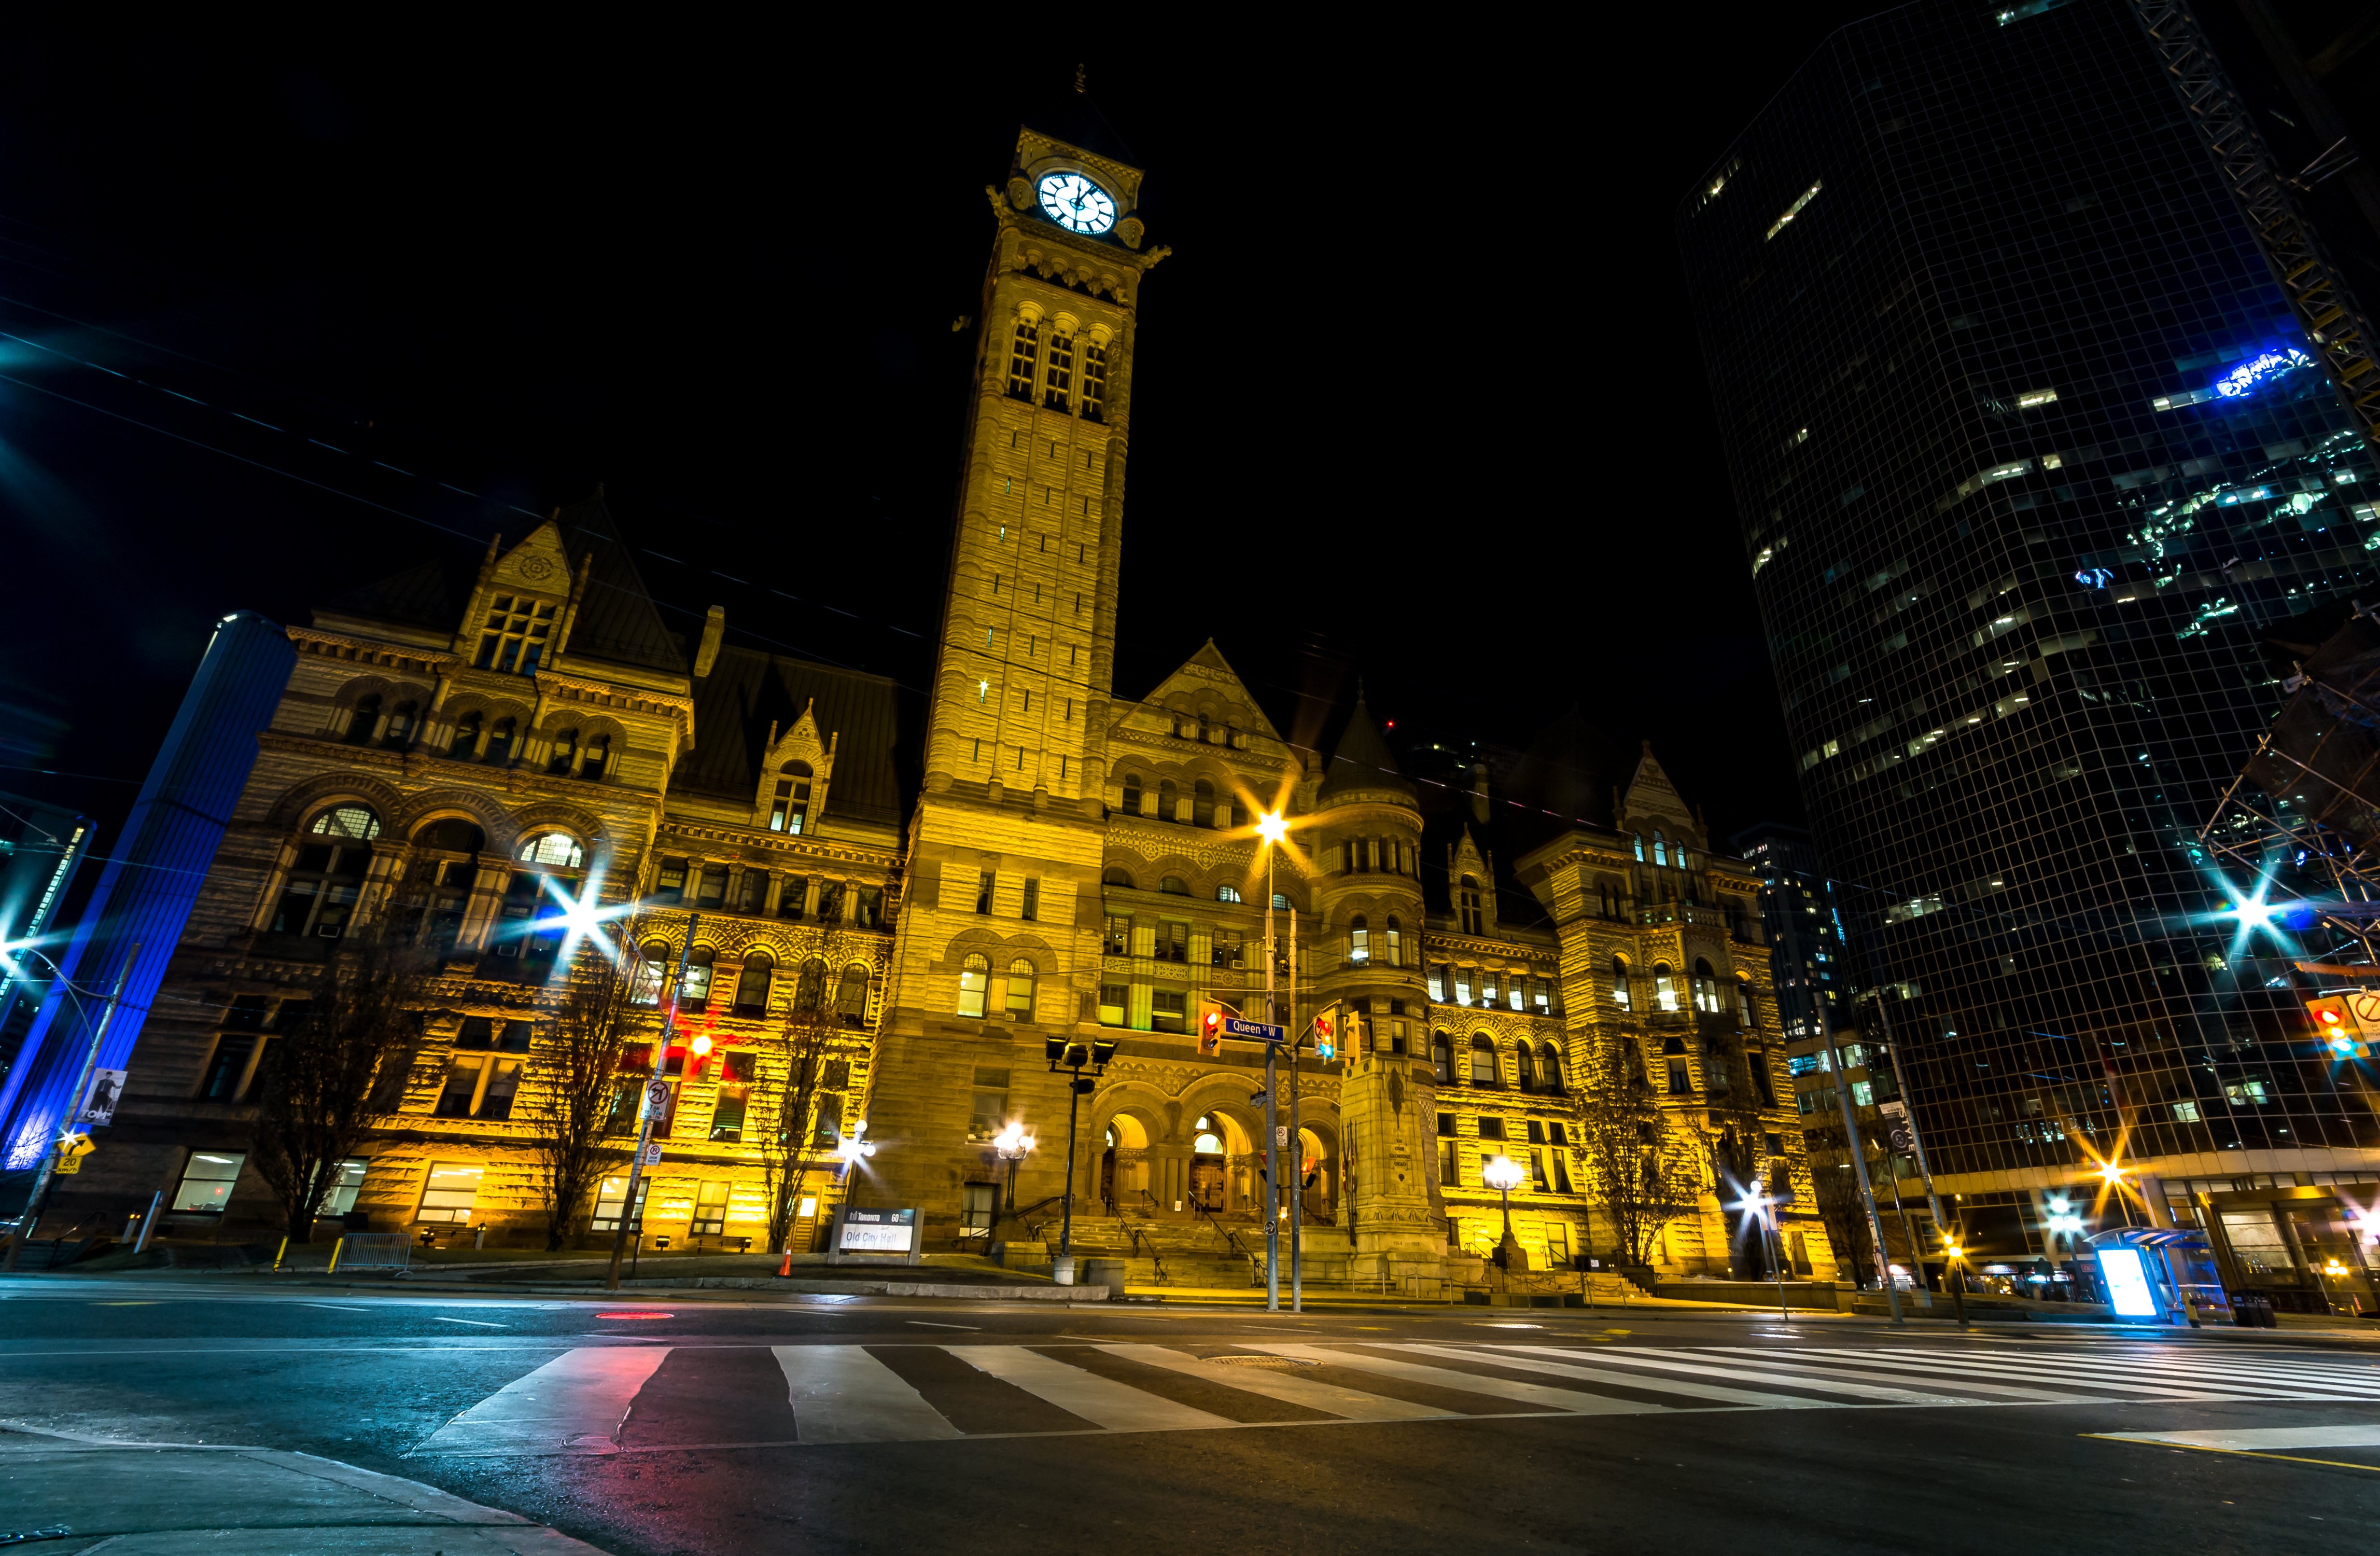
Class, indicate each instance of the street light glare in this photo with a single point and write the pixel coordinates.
(1271, 826)
(1500, 1172)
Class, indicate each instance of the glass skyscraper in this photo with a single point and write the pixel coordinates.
(2029, 450)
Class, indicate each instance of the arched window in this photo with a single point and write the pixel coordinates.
(401, 721)
(445, 867)
(1396, 943)
(1115, 875)
(1359, 940)
(1132, 793)
(1467, 904)
(850, 999)
(790, 810)
(564, 752)
(359, 823)
(1706, 988)
(1227, 894)
(1640, 847)
(1549, 1070)
(1020, 990)
(752, 984)
(598, 757)
(1202, 802)
(694, 986)
(1482, 1059)
(1174, 886)
(1442, 1058)
(364, 720)
(651, 970)
(810, 987)
(1524, 1069)
(974, 979)
(559, 849)
(1207, 1143)
(1167, 801)
(1665, 987)
(1619, 995)
(1660, 850)
(466, 743)
(500, 741)
(326, 880)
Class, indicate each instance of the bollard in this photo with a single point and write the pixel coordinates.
(336, 1248)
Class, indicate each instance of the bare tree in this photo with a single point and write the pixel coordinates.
(1734, 1150)
(790, 1150)
(574, 1073)
(1834, 1186)
(1638, 1172)
(317, 1097)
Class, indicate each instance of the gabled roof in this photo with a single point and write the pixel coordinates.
(1208, 670)
(750, 689)
(617, 620)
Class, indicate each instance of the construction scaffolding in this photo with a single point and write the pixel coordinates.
(2303, 814)
(2340, 332)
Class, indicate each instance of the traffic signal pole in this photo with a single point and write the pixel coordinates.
(1296, 1140)
(1273, 1161)
(629, 1210)
(34, 1202)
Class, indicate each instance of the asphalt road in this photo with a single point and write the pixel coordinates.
(867, 1423)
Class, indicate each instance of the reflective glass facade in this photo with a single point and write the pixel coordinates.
(2026, 459)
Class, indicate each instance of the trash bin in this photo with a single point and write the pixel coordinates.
(2244, 1310)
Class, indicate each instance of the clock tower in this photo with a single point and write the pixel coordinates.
(998, 941)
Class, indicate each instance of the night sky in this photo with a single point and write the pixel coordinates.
(1418, 397)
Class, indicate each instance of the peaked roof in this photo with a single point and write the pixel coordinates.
(1076, 120)
(750, 689)
(617, 621)
(1217, 670)
(1362, 760)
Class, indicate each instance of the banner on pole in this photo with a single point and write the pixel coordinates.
(98, 1103)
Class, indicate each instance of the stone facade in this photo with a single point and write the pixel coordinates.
(455, 750)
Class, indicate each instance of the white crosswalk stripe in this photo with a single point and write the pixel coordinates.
(654, 1399)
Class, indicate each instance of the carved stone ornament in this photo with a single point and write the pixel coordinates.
(1397, 1091)
(1129, 231)
(1020, 193)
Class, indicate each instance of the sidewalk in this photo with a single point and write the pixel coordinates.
(164, 1499)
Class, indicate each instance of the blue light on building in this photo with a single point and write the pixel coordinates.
(2256, 373)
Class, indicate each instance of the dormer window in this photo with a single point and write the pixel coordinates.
(1466, 901)
(789, 811)
(514, 638)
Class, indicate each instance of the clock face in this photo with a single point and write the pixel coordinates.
(1075, 203)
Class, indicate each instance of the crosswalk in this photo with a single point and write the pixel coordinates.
(659, 1398)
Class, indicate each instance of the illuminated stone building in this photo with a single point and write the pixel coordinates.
(1072, 866)
(459, 750)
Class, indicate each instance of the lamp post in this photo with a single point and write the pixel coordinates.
(1074, 1058)
(1761, 1203)
(1011, 1143)
(1272, 827)
(1502, 1175)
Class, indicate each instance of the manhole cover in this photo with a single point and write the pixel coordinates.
(1283, 1363)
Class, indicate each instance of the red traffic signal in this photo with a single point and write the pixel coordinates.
(1211, 1028)
(2336, 1028)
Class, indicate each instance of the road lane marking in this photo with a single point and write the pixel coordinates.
(1567, 1401)
(1103, 1402)
(1349, 1404)
(573, 1403)
(475, 1323)
(929, 1323)
(2364, 1437)
(1625, 1379)
(334, 1307)
(1664, 1361)
(840, 1394)
(2252, 1440)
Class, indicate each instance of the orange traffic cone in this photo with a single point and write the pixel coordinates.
(788, 1267)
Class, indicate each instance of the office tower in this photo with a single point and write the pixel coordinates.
(2028, 444)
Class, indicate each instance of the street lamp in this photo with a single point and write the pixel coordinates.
(855, 1148)
(1011, 1143)
(1503, 1174)
(1074, 1058)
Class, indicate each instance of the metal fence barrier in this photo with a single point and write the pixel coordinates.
(374, 1250)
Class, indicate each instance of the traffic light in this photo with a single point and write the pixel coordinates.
(1210, 1027)
(2336, 1028)
(1325, 1039)
(1351, 1036)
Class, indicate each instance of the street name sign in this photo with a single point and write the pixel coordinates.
(1252, 1031)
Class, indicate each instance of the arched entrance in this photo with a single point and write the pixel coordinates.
(1123, 1163)
(1210, 1163)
